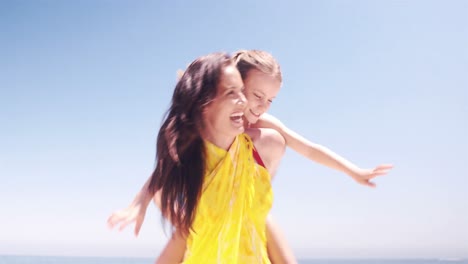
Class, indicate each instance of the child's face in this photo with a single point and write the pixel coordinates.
(260, 90)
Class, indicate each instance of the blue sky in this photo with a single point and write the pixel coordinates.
(84, 86)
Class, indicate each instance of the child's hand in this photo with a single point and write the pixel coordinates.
(134, 213)
(364, 176)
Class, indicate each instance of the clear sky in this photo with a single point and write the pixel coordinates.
(84, 86)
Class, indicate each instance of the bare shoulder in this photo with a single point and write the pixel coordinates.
(268, 121)
(270, 145)
(271, 136)
(265, 137)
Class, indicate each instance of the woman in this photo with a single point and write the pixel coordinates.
(262, 79)
(210, 188)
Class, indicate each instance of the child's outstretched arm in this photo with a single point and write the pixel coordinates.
(136, 211)
(321, 154)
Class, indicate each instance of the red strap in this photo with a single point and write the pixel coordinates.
(257, 158)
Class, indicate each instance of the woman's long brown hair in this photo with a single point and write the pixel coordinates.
(180, 152)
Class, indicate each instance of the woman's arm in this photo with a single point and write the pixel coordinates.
(174, 250)
(279, 251)
(270, 146)
(321, 154)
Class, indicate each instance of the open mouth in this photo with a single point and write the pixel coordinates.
(237, 118)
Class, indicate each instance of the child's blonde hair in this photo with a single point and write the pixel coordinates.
(247, 60)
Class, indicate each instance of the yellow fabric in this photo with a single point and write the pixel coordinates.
(229, 226)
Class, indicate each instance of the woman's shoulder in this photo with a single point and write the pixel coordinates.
(269, 144)
(265, 136)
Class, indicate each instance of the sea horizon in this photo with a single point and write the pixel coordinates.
(46, 259)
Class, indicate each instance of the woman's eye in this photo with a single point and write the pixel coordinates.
(258, 96)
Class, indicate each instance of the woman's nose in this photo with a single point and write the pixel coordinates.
(242, 99)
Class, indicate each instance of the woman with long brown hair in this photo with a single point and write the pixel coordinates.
(262, 80)
(210, 188)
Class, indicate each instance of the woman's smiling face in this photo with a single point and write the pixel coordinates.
(223, 116)
(260, 90)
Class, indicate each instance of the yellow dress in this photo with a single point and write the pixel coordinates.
(229, 226)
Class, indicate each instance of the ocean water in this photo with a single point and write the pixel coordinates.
(102, 260)
(72, 260)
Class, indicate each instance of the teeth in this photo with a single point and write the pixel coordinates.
(237, 115)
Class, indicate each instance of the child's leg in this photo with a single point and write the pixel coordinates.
(279, 251)
(174, 251)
